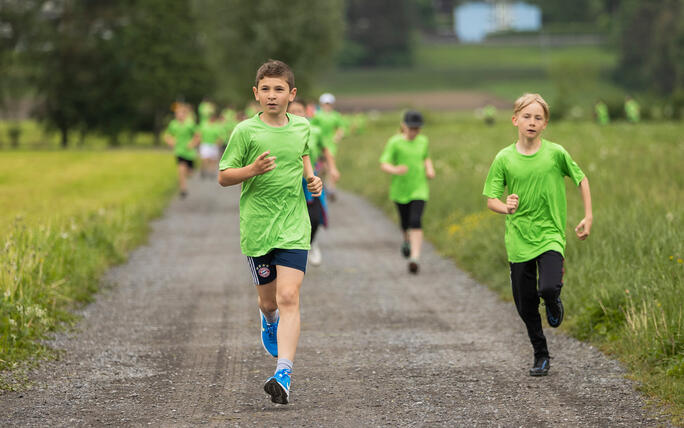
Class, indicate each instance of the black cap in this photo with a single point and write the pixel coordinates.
(413, 119)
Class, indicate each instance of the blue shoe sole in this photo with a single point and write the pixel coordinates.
(276, 391)
(553, 322)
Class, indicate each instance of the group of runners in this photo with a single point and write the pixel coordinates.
(279, 153)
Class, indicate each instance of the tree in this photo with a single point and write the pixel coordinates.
(240, 35)
(379, 32)
(651, 40)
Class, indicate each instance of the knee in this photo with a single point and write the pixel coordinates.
(288, 298)
(267, 306)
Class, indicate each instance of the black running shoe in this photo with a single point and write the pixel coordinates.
(413, 267)
(406, 249)
(554, 312)
(541, 367)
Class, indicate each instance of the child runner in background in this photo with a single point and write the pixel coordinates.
(182, 135)
(602, 114)
(211, 134)
(316, 205)
(332, 129)
(268, 153)
(406, 157)
(228, 121)
(533, 171)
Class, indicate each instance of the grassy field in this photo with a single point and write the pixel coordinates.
(505, 71)
(34, 136)
(624, 285)
(66, 217)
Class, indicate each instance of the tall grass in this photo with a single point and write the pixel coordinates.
(624, 285)
(66, 217)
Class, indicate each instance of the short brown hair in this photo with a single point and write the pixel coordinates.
(527, 99)
(275, 68)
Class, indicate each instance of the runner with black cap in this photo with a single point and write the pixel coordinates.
(406, 157)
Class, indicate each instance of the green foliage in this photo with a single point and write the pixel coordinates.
(623, 285)
(241, 35)
(53, 252)
(651, 40)
(380, 31)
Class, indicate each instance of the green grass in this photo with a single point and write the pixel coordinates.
(623, 287)
(66, 217)
(505, 71)
(32, 135)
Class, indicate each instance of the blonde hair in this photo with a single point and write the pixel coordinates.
(527, 99)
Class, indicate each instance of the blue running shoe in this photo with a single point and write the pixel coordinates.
(278, 386)
(555, 312)
(269, 335)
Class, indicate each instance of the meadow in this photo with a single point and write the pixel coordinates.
(624, 286)
(502, 70)
(66, 217)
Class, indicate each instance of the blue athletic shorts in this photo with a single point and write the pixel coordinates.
(263, 268)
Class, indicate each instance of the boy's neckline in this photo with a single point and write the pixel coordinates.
(287, 118)
(517, 150)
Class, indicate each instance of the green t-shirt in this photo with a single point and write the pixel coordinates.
(210, 132)
(273, 211)
(602, 115)
(316, 144)
(414, 184)
(183, 133)
(329, 122)
(538, 225)
(632, 111)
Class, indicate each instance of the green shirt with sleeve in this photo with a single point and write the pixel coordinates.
(329, 122)
(210, 132)
(538, 225)
(316, 144)
(273, 212)
(183, 133)
(414, 184)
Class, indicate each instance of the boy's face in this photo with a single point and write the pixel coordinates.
(327, 107)
(181, 112)
(297, 109)
(412, 132)
(274, 94)
(530, 121)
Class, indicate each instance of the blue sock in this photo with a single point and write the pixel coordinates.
(284, 363)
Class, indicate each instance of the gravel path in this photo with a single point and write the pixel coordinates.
(172, 340)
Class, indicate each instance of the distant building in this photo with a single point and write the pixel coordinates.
(474, 21)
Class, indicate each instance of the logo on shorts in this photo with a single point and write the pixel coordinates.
(263, 271)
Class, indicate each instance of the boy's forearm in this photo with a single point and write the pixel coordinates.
(232, 176)
(387, 168)
(497, 206)
(329, 158)
(308, 169)
(586, 197)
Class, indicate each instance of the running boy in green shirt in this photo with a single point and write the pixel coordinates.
(406, 157)
(533, 170)
(183, 136)
(274, 222)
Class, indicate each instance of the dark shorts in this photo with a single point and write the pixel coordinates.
(411, 214)
(188, 162)
(263, 268)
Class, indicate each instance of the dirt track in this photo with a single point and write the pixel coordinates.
(173, 341)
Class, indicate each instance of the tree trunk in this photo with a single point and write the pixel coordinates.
(64, 132)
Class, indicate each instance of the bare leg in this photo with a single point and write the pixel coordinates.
(289, 281)
(267, 297)
(416, 239)
(183, 177)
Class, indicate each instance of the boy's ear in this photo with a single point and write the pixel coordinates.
(256, 93)
(293, 94)
(514, 119)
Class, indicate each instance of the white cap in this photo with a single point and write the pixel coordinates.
(327, 98)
